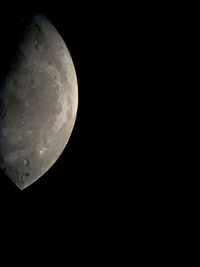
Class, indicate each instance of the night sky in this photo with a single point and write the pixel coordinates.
(115, 171)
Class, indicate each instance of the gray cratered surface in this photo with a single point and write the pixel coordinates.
(38, 104)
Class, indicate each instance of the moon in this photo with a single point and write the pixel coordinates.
(38, 103)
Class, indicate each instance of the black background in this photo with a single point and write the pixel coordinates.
(81, 190)
(87, 192)
(85, 176)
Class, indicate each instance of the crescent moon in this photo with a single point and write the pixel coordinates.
(38, 103)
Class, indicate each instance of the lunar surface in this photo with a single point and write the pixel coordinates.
(38, 103)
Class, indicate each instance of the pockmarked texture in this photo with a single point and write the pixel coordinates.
(38, 103)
